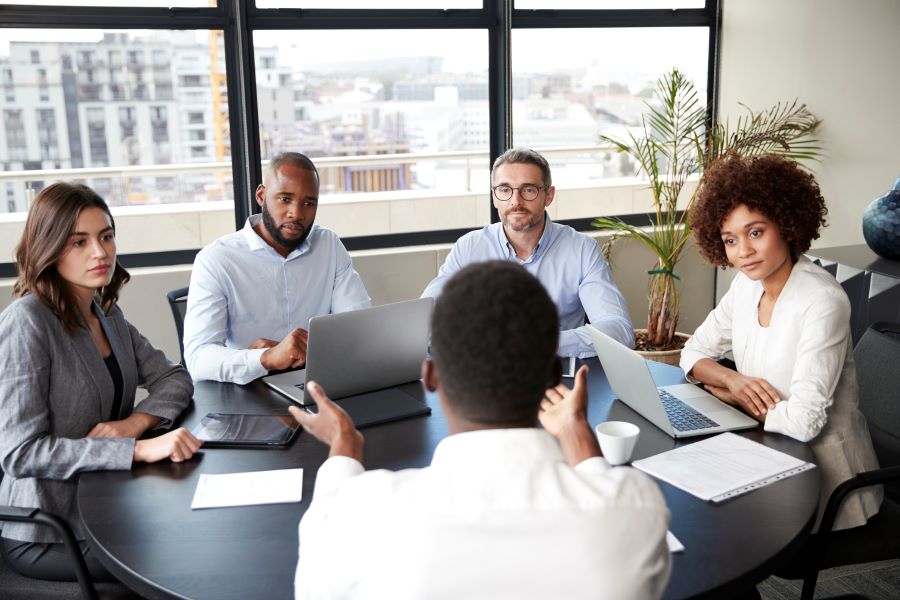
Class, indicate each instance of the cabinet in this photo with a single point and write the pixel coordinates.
(872, 283)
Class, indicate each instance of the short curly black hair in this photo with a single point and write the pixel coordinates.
(772, 185)
(494, 335)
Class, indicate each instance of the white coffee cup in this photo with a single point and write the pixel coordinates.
(617, 440)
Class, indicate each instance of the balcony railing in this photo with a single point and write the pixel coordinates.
(468, 162)
(205, 212)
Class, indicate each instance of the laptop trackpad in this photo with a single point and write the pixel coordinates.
(705, 404)
(381, 406)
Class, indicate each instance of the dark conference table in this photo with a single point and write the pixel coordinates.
(148, 536)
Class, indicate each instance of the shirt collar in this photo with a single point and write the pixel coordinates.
(503, 447)
(258, 244)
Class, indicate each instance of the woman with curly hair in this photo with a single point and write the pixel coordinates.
(69, 366)
(786, 320)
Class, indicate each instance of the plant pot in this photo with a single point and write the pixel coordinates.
(669, 357)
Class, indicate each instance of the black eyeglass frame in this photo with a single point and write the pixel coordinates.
(539, 188)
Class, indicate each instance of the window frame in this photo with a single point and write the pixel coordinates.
(239, 19)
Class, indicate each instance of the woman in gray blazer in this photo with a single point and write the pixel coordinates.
(69, 366)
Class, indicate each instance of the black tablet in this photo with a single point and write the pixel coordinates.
(225, 430)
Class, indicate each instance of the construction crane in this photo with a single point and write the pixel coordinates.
(219, 90)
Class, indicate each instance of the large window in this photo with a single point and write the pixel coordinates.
(170, 108)
(103, 101)
(397, 122)
(563, 106)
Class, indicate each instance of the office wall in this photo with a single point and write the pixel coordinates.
(400, 274)
(840, 58)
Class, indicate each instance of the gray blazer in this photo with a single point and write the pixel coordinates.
(54, 388)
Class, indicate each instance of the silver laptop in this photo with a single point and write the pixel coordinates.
(682, 410)
(361, 351)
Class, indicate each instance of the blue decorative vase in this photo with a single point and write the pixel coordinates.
(881, 224)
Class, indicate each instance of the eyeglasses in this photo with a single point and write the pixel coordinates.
(527, 192)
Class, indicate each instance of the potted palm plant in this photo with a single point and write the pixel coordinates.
(676, 141)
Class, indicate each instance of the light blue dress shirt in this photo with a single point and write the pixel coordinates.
(573, 272)
(242, 290)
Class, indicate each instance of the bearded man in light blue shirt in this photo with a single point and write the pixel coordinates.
(569, 264)
(253, 292)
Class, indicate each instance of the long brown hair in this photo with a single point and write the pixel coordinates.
(50, 221)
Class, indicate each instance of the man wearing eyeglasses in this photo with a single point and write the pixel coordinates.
(569, 264)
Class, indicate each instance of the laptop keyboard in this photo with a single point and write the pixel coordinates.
(682, 416)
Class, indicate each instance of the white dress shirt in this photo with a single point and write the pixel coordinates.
(806, 354)
(572, 269)
(242, 289)
(498, 514)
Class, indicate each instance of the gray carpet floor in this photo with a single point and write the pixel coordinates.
(16, 587)
(876, 581)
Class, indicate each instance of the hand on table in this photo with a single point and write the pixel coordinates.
(754, 394)
(178, 445)
(331, 425)
(288, 353)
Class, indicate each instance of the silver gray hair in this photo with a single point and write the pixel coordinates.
(524, 156)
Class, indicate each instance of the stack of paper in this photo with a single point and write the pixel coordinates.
(722, 467)
(245, 489)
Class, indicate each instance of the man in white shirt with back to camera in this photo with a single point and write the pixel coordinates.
(568, 263)
(506, 509)
(253, 292)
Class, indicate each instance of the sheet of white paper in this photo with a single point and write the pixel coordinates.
(246, 489)
(673, 543)
(716, 465)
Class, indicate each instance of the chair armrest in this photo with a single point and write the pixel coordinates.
(18, 514)
(840, 493)
(35, 515)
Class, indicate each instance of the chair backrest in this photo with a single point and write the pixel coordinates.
(877, 358)
(178, 304)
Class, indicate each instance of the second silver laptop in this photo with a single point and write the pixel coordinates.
(682, 410)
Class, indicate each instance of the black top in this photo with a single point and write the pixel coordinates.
(113, 365)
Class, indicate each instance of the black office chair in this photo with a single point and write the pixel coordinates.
(178, 304)
(34, 515)
(876, 356)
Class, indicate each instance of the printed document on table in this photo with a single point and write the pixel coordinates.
(722, 467)
(246, 489)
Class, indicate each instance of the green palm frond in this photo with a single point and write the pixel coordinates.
(677, 115)
(676, 142)
(788, 129)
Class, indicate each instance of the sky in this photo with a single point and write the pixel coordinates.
(644, 50)
(620, 52)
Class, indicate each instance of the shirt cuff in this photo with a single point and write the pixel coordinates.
(775, 421)
(334, 471)
(123, 458)
(249, 369)
(570, 344)
(594, 464)
(779, 421)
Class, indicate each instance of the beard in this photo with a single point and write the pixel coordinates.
(275, 230)
(520, 226)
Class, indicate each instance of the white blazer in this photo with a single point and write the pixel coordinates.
(806, 353)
